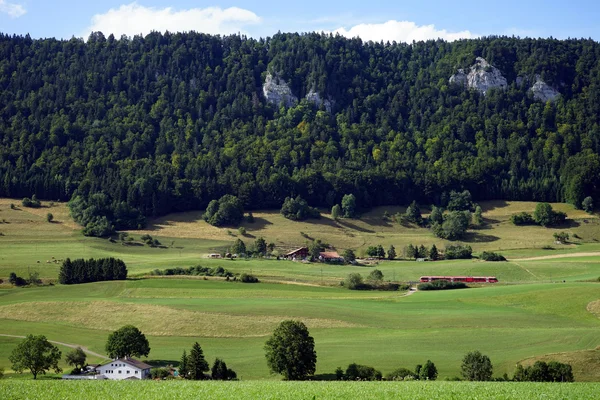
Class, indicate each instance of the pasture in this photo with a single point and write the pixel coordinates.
(383, 329)
(545, 307)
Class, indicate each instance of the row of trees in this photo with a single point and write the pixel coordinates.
(194, 366)
(84, 271)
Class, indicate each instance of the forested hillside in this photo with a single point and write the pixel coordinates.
(144, 126)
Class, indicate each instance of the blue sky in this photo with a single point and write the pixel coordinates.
(383, 20)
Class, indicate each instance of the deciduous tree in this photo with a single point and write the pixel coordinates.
(290, 351)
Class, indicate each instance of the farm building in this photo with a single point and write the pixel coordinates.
(124, 368)
(298, 254)
(330, 256)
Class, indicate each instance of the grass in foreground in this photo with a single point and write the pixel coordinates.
(151, 390)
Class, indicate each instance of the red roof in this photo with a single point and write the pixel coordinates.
(329, 254)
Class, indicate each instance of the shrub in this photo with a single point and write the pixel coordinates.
(400, 375)
(442, 285)
(159, 373)
(522, 218)
(588, 205)
(12, 206)
(31, 203)
(561, 237)
(491, 256)
(349, 256)
(242, 231)
(49, 217)
(546, 216)
(247, 278)
(354, 282)
(357, 372)
(458, 252)
(541, 371)
(15, 280)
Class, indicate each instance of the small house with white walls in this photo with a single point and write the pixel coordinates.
(124, 368)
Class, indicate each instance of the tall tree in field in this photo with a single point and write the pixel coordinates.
(197, 365)
(433, 253)
(36, 354)
(349, 206)
(336, 211)
(76, 358)
(183, 366)
(261, 245)
(476, 367)
(291, 351)
(128, 341)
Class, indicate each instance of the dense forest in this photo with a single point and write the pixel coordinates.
(135, 127)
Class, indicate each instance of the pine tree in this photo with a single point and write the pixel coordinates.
(380, 252)
(411, 251)
(197, 365)
(391, 254)
(433, 253)
(183, 366)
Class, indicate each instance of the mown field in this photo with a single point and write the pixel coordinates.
(546, 306)
(297, 390)
(383, 329)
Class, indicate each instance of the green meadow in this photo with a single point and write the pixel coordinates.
(545, 306)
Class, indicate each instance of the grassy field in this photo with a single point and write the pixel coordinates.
(383, 329)
(297, 390)
(552, 313)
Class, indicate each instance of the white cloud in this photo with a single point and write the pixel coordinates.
(401, 31)
(133, 19)
(12, 9)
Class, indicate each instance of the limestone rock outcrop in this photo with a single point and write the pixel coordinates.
(315, 98)
(277, 91)
(544, 92)
(482, 77)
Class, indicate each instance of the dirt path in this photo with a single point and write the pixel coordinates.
(568, 255)
(72, 346)
(523, 268)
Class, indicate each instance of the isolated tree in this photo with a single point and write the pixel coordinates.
(49, 217)
(455, 225)
(314, 250)
(433, 253)
(588, 204)
(183, 365)
(477, 216)
(261, 245)
(239, 247)
(349, 206)
(76, 358)
(561, 237)
(36, 354)
(428, 372)
(197, 365)
(128, 341)
(543, 214)
(336, 212)
(291, 351)
(476, 367)
(349, 255)
(391, 253)
(372, 251)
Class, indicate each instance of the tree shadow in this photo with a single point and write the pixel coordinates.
(493, 204)
(569, 223)
(349, 225)
(475, 237)
(259, 223)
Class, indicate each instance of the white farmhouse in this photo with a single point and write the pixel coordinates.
(124, 368)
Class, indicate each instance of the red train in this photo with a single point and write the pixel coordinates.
(473, 279)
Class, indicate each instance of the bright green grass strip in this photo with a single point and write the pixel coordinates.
(149, 390)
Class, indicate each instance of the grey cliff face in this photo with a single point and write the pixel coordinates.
(482, 77)
(544, 92)
(314, 97)
(277, 91)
